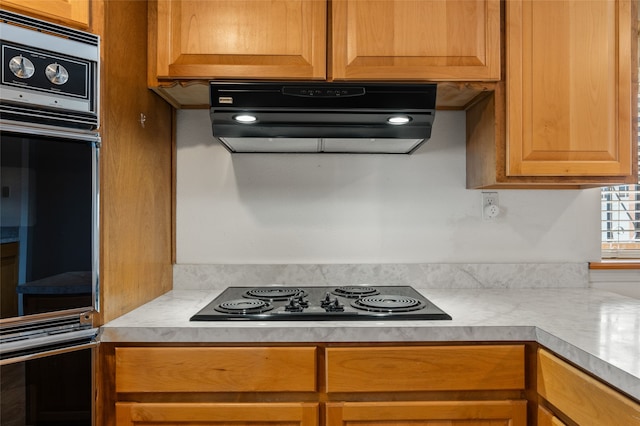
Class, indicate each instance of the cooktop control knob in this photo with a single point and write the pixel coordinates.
(293, 305)
(57, 74)
(21, 67)
(334, 306)
(326, 301)
(302, 301)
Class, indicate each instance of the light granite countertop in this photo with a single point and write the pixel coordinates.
(596, 330)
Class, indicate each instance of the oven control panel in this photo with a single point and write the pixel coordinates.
(49, 74)
(36, 77)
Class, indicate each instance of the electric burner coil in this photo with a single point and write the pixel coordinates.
(355, 291)
(244, 306)
(388, 303)
(274, 294)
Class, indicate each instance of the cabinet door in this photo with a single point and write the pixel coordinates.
(402, 39)
(71, 12)
(219, 369)
(570, 97)
(240, 39)
(546, 418)
(467, 413)
(209, 414)
(580, 397)
(425, 368)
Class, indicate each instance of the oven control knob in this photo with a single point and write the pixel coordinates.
(21, 67)
(57, 74)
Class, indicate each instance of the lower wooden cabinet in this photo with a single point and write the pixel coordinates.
(322, 384)
(546, 418)
(425, 368)
(579, 397)
(219, 370)
(204, 414)
(428, 413)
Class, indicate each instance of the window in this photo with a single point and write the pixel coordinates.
(620, 218)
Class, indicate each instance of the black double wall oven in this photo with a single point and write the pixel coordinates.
(49, 159)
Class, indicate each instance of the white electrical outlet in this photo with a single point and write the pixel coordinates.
(490, 205)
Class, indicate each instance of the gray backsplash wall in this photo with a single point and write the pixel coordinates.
(454, 276)
(299, 219)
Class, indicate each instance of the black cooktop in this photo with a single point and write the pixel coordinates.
(357, 302)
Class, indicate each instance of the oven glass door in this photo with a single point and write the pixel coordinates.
(50, 390)
(48, 218)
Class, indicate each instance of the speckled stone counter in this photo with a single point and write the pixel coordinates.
(598, 331)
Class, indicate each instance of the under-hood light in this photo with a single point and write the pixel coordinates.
(398, 120)
(245, 118)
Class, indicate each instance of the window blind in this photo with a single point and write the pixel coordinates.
(620, 217)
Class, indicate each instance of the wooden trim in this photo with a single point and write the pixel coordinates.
(615, 265)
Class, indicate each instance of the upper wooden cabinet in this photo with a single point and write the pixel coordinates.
(415, 40)
(568, 108)
(241, 39)
(192, 42)
(71, 12)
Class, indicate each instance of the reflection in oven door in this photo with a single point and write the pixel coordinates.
(47, 212)
(51, 390)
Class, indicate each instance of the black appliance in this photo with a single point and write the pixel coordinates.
(49, 161)
(320, 117)
(355, 302)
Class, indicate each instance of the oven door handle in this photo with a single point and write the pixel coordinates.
(19, 351)
(43, 354)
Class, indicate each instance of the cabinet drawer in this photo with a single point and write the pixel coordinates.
(433, 413)
(581, 397)
(196, 369)
(212, 414)
(425, 368)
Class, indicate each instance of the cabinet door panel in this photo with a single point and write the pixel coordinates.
(71, 12)
(241, 38)
(217, 414)
(200, 369)
(430, 368)
(569, 88)
(461, 413)
(581, 397)
(401, 39)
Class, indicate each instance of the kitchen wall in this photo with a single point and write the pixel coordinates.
(369, 209)
(288, 208)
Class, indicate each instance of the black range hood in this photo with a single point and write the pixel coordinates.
(313, 117)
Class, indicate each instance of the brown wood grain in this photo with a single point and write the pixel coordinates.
(569, 88)
(415, 40)
(409, 413)
(136, 166)
(428, 368)
(239, 39)
(195, 369)
(581, 397)
(210, 414)
(75, 13)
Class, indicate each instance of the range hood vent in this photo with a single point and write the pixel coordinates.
(312, 117)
